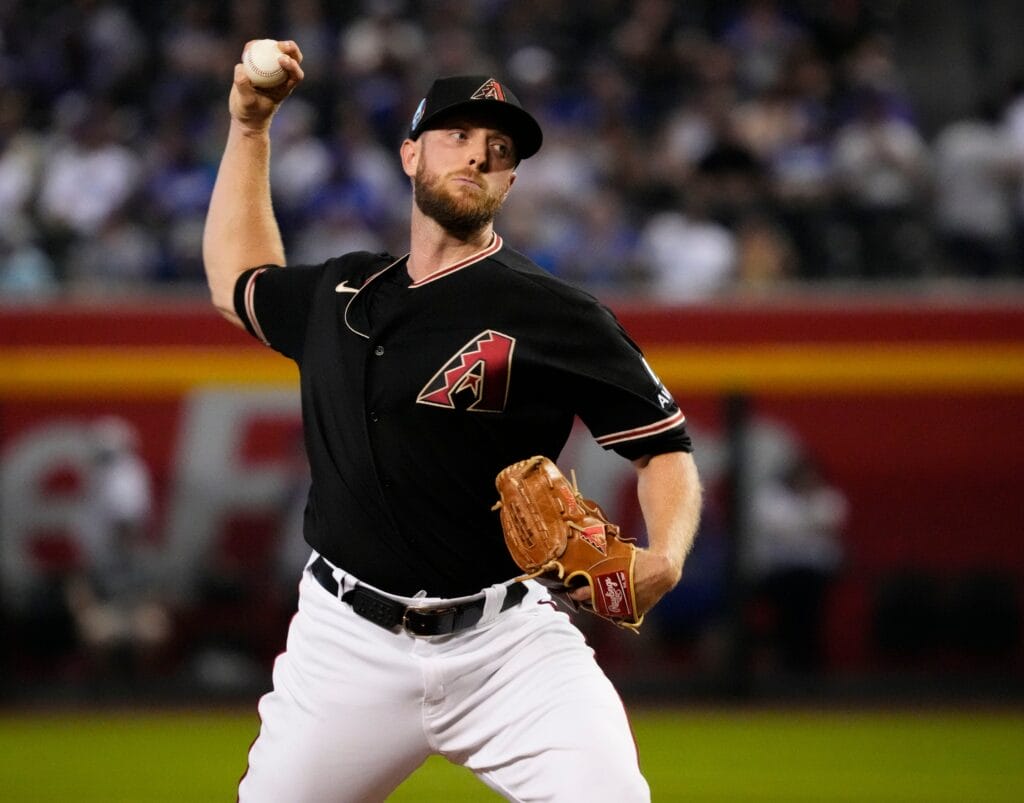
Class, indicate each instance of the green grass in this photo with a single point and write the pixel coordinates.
(727, 755)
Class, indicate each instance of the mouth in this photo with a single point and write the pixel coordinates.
(467, 181)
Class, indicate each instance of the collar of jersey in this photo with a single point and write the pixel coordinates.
(492, 248)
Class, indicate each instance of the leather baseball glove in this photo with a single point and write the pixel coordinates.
(566, 541)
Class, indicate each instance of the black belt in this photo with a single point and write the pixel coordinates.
(389, 613)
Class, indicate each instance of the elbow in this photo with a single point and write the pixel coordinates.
(230, 315)
(222, 296)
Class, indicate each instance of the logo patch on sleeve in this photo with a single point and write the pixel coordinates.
(664, 397)
(476, 378)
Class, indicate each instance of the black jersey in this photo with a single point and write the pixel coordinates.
(416, 394)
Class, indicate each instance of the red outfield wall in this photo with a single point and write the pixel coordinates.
(913, 410)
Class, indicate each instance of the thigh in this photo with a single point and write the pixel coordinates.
(548, 724)
(320, 738)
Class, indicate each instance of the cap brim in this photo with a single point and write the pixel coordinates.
(517, 123)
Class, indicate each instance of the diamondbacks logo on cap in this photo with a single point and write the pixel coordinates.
(491, 90)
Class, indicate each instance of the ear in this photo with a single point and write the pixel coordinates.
(511, 181)
(410, 152)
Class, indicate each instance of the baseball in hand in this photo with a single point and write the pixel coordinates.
(260, 62)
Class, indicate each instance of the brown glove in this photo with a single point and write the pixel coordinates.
(553, 533)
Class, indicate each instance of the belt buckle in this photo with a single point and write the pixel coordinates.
(430, 621)
(379, 610)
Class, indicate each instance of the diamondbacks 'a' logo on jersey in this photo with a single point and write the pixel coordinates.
(477, 378)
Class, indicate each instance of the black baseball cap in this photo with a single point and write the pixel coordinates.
(479, 92)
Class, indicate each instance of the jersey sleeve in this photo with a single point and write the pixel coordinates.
(623, 403)
(274, 303)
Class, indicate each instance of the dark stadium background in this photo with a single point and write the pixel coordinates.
(809, 214)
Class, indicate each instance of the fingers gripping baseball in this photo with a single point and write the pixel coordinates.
(254, 106)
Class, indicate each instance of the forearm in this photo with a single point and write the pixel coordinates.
(241, 230)
(669, 492)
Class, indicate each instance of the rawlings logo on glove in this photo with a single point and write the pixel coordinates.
(557, 536)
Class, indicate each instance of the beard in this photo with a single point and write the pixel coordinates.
(460, 212)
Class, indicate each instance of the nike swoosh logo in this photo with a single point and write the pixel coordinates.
(344, 288)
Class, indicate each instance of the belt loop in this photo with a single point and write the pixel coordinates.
(494, 596)
(339, 577)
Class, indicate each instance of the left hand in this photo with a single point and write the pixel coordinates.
(654, 575)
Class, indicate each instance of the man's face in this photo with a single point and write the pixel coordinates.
(462, 174)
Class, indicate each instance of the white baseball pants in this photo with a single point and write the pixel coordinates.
(519, 700)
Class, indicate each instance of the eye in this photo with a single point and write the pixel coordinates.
(502, 148)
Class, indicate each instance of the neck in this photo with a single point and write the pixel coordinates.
(432, 247)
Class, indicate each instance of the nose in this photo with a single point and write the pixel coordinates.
(478, 151)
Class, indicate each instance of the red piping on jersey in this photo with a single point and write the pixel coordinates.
(250, 310)
(642, 432)
(492, 248)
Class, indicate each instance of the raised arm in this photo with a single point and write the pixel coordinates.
(241, 230)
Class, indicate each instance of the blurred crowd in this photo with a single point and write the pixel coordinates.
(690, 148)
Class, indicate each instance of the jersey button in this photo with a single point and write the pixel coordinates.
(379, 351)
(374, 417)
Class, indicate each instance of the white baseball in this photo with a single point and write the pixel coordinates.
(260, 62)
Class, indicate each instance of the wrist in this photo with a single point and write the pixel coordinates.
(667, 568)
(251, 129)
